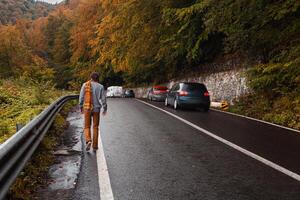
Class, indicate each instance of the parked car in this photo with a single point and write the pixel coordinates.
(128, 94)
(157, 93)
(186, 94)
(114, 91)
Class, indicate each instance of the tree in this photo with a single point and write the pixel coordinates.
(13, 51)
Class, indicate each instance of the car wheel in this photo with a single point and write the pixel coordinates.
(175, 105)
(166, 102)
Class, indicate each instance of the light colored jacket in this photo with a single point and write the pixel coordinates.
(98, 95)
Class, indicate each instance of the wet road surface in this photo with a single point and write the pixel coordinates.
(151, 155)
(275, 144)
(63, 174)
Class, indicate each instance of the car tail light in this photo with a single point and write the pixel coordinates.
(183, 93)
(206, 94)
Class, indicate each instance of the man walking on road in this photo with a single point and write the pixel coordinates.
(91, 99)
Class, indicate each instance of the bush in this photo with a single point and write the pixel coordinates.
(275, 94)
(276, 78)
(20, 101)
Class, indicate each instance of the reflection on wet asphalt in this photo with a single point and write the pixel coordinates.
(64, 173)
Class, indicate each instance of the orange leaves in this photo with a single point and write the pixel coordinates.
(35, 35)
(13, 49)
(86, 15)
(38, 69)
(121, 35)
(127, 32)
(17, 50)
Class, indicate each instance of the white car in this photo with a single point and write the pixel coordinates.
(114, 91)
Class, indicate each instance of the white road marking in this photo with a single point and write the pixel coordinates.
(244, 151)
(258, 120)
(103, 176)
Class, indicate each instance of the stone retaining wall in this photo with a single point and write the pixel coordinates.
(227, 85)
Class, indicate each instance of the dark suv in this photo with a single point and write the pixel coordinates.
(187, 94)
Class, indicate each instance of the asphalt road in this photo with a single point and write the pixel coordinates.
(276, 144)
(152, 155)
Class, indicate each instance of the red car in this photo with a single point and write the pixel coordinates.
(157, 93)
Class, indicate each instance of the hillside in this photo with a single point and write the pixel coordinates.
(11, 10)
(144, 42)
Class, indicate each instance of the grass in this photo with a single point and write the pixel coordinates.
(283, 110)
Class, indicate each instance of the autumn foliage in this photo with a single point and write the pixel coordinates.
(13, 10)
(136, 42)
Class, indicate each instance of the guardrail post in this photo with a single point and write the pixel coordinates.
(19, 126)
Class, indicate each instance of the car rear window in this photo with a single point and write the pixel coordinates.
(191, 87)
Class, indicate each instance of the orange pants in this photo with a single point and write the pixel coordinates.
(88, 115)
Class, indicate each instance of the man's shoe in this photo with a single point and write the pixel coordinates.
(88, 146)
(95, 148)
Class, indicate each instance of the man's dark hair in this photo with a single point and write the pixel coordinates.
(95, 76)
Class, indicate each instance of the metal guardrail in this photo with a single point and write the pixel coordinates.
(18, 149)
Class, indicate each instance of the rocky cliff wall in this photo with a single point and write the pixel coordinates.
(227, 85)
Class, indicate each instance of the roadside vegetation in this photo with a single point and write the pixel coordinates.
(35, 174)
(20, 101)
(276, 94)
